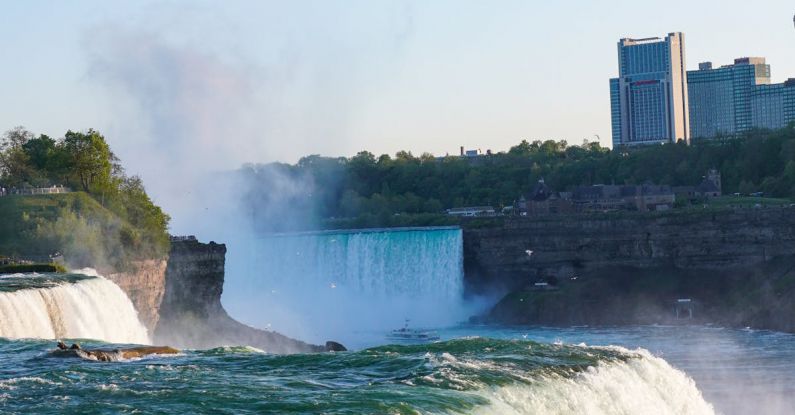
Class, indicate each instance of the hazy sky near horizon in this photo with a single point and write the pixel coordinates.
(223, 83)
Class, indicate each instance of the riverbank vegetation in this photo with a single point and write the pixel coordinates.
(408, 190)
(109, 217)
(21, 268)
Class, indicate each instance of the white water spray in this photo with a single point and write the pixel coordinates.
(318, 285)
(644, 384)
(93, 308)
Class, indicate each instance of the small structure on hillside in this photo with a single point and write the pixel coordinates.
(643, 198)
(54, 258)
(473, 153)
(544, 201)
(472, 211)
(29, 191)
(708, 188)
(182, 238)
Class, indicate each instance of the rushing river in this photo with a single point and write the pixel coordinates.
(472, 369)
(513, 371)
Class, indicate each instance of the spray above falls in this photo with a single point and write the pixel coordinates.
(72, 306)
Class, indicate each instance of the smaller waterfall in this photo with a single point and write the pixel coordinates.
(91, 308)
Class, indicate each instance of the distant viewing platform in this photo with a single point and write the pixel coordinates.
(34, 191)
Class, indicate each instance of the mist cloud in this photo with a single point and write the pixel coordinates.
(190, 106)
(188, 117)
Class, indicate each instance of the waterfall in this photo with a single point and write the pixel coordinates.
(316, 285)
(90, 307)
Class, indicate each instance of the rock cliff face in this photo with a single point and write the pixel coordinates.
(565, 246)
(145, 285)
(194, 280)
(191, 314)
(631, 268)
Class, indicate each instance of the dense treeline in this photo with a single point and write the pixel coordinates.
(83, 161)
(376, 189)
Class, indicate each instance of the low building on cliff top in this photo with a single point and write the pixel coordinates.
(597, 198)
(643, 198)
(543, 201)
(709, 188)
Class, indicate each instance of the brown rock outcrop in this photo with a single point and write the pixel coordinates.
(144, 284)
(191, 314)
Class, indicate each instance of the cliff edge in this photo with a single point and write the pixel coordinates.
(730, 267)
(191, 314)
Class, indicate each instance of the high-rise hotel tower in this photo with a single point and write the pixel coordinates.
(722, 99)
(649, 101)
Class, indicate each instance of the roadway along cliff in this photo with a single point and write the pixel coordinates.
(630, 268)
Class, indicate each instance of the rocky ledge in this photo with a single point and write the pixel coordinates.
(731, 267)
(191, 314)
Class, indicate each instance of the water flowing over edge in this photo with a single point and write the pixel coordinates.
(464, 376)
(369, 280)
(642, 384)
(91, 308)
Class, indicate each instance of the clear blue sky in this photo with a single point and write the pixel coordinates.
(227, 82)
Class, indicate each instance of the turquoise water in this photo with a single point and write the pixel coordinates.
(514, 370)
(458, 376)
(473, 369)
(14, 282)
(316, 285)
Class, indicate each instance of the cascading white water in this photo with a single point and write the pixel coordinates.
(92, 308)
(643, 384)
(317, 285)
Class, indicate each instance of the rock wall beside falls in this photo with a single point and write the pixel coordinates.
(191, 314)
(194, 279)
(566, 245)
(144, 284)
(737, 265)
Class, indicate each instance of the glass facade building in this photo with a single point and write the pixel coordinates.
(720, 99)
(649, 100)
(773, 106)
(615, 111)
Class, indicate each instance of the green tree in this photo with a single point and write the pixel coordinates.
(40, 151)
(90, 160)
(522, 149)
(15, 167)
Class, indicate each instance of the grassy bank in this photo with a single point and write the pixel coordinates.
(20, 268)
(74, 224)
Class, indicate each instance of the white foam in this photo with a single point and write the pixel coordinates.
(371, 279)
(644, 384)
(10, 384)
(94, 308)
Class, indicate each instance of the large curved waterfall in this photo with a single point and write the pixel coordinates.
(317, 285)
(72, 306)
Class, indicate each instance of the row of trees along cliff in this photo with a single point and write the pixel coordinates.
(108, 220)
(406, 190)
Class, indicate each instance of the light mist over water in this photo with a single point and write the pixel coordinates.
(331, 285)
